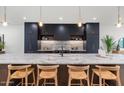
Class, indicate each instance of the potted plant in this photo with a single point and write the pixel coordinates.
(109, 43)
(1, 46)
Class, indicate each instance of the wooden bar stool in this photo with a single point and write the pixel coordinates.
(20, 72)
(106, 73)
(78, 73)
(47, 72)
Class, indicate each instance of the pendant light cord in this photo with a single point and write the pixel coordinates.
(119, 14)
(5, 13)
(40, 12)
(79, 8)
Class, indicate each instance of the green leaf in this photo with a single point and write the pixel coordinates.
(1, 45)
(109, 43)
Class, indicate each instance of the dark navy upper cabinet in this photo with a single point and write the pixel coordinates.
(31, 37)
(61, 33)
(92, 37)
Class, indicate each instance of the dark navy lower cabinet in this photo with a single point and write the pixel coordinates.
(31, 37)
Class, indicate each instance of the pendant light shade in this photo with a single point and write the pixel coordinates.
(40, 21)
(119, 22)
(118, 25)
(4, 23)
(79, 20)
(79, 24)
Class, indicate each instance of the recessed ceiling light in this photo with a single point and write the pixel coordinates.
(94, 18)
(24, 18)
(60, 18)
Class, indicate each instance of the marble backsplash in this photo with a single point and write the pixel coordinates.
(52, 45)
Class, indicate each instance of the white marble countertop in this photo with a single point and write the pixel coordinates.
(32, 58)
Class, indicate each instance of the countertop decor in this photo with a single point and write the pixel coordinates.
(108, 43)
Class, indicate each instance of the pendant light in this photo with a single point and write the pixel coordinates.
(0, 19)
(79, 20)
(119, 22)
(40, 21)
(4, 23)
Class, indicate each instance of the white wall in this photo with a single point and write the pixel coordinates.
(14, 38)
(111, 30)
(115, 32)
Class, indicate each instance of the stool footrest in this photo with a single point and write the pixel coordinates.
(48, 83)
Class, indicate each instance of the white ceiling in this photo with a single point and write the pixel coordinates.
(50, 14)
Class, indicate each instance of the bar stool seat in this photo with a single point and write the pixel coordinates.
(78, 74)
(105, 74)
(48, 74)
(21, 73)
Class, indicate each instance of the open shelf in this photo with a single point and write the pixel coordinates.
(46, 37)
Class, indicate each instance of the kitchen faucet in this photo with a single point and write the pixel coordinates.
(61, 51)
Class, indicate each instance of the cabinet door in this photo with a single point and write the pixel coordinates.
(31, 37)
(92, 44)
(92, 28)
(92, 37)
(61, 33)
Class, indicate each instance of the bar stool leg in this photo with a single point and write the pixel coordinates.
(100, 81)
(8, 80)
(33, 78)
(37, 80)
(118, 79)
(44, 82)
(69, 82)
(92, 78)
(26, 81)
(56, 81)
(118, 82)
(81, 84)
(104, 82)
(88, 83)
(22, 82)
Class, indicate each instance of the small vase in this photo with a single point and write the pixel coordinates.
(108, 53)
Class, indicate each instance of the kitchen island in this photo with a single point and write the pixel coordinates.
(49, 59)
